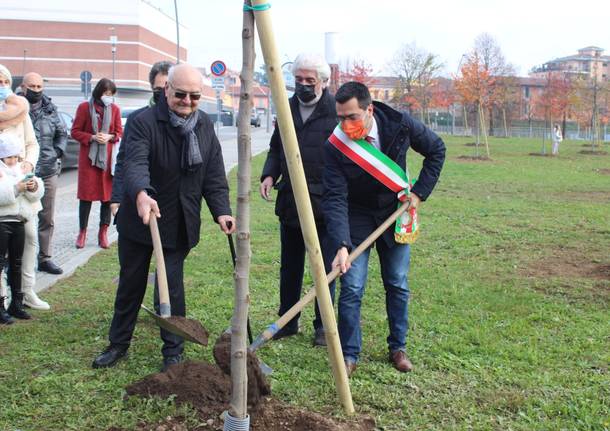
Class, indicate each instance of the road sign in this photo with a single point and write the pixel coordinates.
(85, 76)
(218, 68)
(218, 83)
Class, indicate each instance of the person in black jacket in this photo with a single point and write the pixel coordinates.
(52, 138)
(157, 78)
(172, 160)
(314, 117)
(356, 203)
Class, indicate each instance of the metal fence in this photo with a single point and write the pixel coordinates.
(522, 132)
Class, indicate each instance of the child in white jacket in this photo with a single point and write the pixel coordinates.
(17, 192)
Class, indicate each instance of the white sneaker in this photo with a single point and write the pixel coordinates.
(33, 301)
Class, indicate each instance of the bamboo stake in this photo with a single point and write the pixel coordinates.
(239, 375)
(299, 186)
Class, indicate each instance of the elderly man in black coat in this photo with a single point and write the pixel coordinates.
(357, 200)
(313, 113)
(173, 159)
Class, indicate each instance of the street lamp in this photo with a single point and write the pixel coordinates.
(177, 33)
(113, 41)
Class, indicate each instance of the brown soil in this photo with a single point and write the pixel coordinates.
(257, 383)
(192, 327)
(208, 390)
(603, 171)
(475, 158)
(569, 264)
(594, 152)
(541, 155)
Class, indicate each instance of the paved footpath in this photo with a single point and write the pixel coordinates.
(68, 257)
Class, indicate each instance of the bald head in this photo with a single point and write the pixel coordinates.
(31, 80)
(183, 89)
(32, 86)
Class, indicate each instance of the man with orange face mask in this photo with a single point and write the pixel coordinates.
(365, 178)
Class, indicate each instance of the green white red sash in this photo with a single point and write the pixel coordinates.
(387, 172)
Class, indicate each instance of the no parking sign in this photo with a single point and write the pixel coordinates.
(218, 68)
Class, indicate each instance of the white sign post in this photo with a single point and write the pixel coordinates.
(218, 69)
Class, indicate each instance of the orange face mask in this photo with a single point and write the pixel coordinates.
(354, 129)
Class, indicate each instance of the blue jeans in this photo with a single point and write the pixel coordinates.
(394, 271)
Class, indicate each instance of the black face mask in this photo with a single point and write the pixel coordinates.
(33, 96)
(157, 95)
(306, 93)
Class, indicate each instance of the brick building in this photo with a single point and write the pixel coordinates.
(62, 38)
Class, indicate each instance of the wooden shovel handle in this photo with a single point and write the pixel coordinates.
(164, 304)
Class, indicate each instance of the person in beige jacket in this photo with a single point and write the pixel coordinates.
(15, 121)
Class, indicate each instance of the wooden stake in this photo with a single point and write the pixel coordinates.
(299, 186)
(239, 375)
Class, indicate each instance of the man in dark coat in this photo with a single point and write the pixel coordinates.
(157, 78)
(173, 160)
(52, 138)
(355, 203)
(314, 117)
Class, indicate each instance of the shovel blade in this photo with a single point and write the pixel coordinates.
(190, 329)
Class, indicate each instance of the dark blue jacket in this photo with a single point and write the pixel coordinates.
(355, 203)
(311, 137)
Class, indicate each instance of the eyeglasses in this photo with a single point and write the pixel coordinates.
(182, 94)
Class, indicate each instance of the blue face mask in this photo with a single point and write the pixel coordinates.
(5, 92)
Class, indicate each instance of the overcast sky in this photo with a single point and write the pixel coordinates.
(529, 32)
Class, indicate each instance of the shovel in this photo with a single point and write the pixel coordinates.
(189, 329)
(309, 296)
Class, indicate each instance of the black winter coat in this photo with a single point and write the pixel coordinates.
(355, 203)
(51, 135)
(117, 179)
(152, 162)
(311, 137)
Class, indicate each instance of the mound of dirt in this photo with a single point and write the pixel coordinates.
(475, 158)
(257, 383)
(603, 171)
(205, 387)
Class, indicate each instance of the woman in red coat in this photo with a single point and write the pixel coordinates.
(95, 158)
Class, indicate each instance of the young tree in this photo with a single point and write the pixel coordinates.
(357, 70)
(414, 67)
(493, 61)
(475, 85)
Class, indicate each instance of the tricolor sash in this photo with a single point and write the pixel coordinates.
(387, 172)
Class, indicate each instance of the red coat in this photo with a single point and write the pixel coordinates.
(93, 183)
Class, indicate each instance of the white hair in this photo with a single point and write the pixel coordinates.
(307, 61)
(6, 73)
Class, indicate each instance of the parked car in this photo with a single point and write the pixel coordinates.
(126, 112)
(70, 157)
(255, 119)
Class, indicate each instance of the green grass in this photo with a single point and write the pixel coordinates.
(498, 341)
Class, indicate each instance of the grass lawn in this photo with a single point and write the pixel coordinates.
(510, 322)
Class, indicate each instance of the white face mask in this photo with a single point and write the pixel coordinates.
(107, 100)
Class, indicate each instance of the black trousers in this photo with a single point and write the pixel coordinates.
(134, 259)
(292, 264)
(12, 241)
(84, 209)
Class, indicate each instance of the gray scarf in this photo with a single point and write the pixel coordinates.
(97, 151)
(191, 155)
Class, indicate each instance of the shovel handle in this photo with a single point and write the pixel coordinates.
(234, 258)
(330, 277)
(164, 304)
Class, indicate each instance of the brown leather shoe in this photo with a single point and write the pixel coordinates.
(400, 361)
(350, 367)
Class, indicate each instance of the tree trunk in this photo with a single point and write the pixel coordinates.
(239, 375)
(505, 125)
(482, 122)
(304, 208)
(491, 121)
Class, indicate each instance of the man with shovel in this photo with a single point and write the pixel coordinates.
(172, 160)
(365, 179)
(313, 113)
